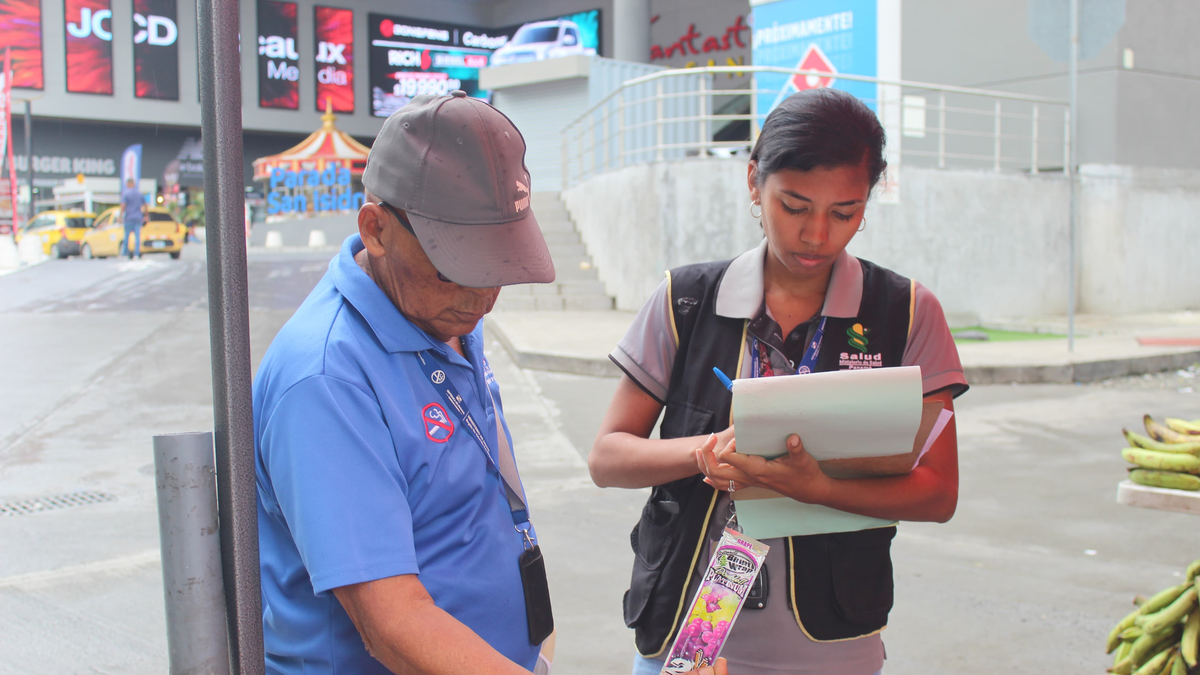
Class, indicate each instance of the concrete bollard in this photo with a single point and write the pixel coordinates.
(316, 239)
(274, 239)
(193, 586)
(9, 258)
(30, 250)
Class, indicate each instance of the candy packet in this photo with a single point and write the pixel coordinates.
(727, 582)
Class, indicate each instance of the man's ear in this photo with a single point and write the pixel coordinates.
(370, 227)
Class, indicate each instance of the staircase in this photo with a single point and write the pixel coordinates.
(576, 286)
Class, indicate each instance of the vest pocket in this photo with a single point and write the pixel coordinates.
(861, 571)
(651, 540)
(683, 419)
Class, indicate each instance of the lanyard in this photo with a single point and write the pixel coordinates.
(808, 363)
(505, 465)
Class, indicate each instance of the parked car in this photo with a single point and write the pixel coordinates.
(160, 234)
(60, 231)
(541, 40)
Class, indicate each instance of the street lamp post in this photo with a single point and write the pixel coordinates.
(28, 157)
(1072, 178)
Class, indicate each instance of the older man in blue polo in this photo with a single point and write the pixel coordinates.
(393, 528)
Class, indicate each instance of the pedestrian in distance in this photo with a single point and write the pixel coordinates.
(394, 532)
(133, 214)
(795, 304)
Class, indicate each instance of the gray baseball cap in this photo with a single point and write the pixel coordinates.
(456, 165)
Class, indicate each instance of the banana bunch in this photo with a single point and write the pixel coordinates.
(1169, 457)
(1161, 636)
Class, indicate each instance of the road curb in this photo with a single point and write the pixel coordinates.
(1084, 371)
(1064, 373)
(559, 363)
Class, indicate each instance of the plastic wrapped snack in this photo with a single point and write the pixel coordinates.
(731, 573)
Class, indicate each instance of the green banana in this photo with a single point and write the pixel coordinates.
(1131, 633)
(1178, 667)
(1140, 441)
(1183, 426)
(1192, 570)
(1121, 652)
(1161, 599)
(1117, 634)
(1143, 647)
(1169, 615)
(1165, 479)
(1190, 642)
(1163, 461)
(1164, 434)
(1155, 665)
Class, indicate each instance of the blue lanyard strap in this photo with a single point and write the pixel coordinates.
(808, 363)
(505, 466)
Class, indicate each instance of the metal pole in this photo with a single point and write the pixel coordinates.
(702, 110)
(996, 140)
(1033, 150)
(185, 476)
(621, 129)
(754, 128)
(658, 121)
(1071, 171)
(606, 134)
(29, 157)
(579, 151)
(566, 160)
(942, 130)
(229, 327)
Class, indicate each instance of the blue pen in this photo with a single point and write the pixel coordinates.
(724, 379)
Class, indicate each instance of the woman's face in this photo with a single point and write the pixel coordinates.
(810, 216)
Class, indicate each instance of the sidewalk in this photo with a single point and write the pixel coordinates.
(579, 342)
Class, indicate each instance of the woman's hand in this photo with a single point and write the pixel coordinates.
(794, 475)
(722, 441)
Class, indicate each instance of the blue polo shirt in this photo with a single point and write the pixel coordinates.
(363, 474)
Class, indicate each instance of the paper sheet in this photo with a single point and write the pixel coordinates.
(938, 428)
(839, 414)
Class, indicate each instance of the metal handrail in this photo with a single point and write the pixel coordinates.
(718, 70)
(628, 125)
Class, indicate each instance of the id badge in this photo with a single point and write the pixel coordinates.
(537, 595)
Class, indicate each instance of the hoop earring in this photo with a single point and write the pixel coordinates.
(863, 226)
(754, 215)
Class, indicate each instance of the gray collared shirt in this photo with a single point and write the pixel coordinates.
(769, 640)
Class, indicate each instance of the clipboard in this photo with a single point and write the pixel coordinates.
(765, 514)
(866, 467)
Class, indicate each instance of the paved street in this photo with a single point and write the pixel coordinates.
(100, 355)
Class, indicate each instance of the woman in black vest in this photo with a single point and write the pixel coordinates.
(823, 599)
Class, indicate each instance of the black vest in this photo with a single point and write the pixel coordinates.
(840, 586)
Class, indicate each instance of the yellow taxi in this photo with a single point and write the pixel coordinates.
(160, 234)
(60, 231)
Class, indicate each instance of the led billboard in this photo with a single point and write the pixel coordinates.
(155, 50)
(89, 46)
(410, 57)
(21, 32)
(278, 60)
(334, 29)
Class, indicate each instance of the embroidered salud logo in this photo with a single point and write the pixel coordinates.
(858, 337)
(438, 427)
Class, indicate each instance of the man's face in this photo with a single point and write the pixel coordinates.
(399, 265)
